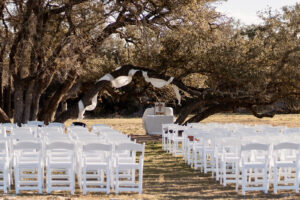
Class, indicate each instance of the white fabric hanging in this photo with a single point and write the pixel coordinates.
(158, 83)
(94, 103)
(106, 77)
(81, 110)
(122, 81)
(118, 82)
(178, 96)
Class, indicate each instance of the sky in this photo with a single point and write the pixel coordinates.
(246, 10)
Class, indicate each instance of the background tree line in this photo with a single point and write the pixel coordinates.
(52, 53)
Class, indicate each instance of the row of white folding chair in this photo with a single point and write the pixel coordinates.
(173, 139)
(254, 172)
(201, 147)
(49, 170)
(125, 136)
(28, 166)
(208, 146)
(5, 167)
(258, 170)
(100, 168)
(270, 133)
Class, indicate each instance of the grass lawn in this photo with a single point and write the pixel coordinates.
(166, 177)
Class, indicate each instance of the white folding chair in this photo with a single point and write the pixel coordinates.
(286, 167)
(165, 132)
(60, 166)
(229, 158)
(178, 140)
(28, 166)
(254, 167)
(126, 165)
(95, 168)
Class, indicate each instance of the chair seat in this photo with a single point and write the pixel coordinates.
(286, 164)
(29, 164)
(60, 165)
(254, 165)
(128, 166)
(96, 165)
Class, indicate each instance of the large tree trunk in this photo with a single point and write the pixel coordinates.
(28, 102)
(35, 104)
(18, 102)
(48, 113)
(7, 99)
(40, 86)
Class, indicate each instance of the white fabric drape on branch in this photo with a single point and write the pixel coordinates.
(122, 81)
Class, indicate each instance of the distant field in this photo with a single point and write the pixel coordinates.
(134, 125)
(166, 177)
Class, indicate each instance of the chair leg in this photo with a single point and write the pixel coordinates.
(237, 177)
(117, 181)
(107, 180)
(275, 180)
(5, 181)
(297, 180)
(140, 180)
(72, 175)
(244, 176)
(17, 180)
(266, 184)
(84, 181)
(40, 180)
(48, 180)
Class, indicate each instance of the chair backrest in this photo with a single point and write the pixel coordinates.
(56, 124)
(286, 145)
(77, 128)
(9, 125)
(36, 123)
(22, 137)
(27, 145)
(51, 130)
(99, 126)
(255, 152)
(255, 146)
(60, 145)
(97, 147)
(246, 131)
(291, 131)
(130, 147)
(3, 147)
(22, 130)
(3, 132)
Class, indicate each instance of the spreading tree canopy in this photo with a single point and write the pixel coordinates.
(49, 47)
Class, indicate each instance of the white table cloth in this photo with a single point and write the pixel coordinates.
(153, 123)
